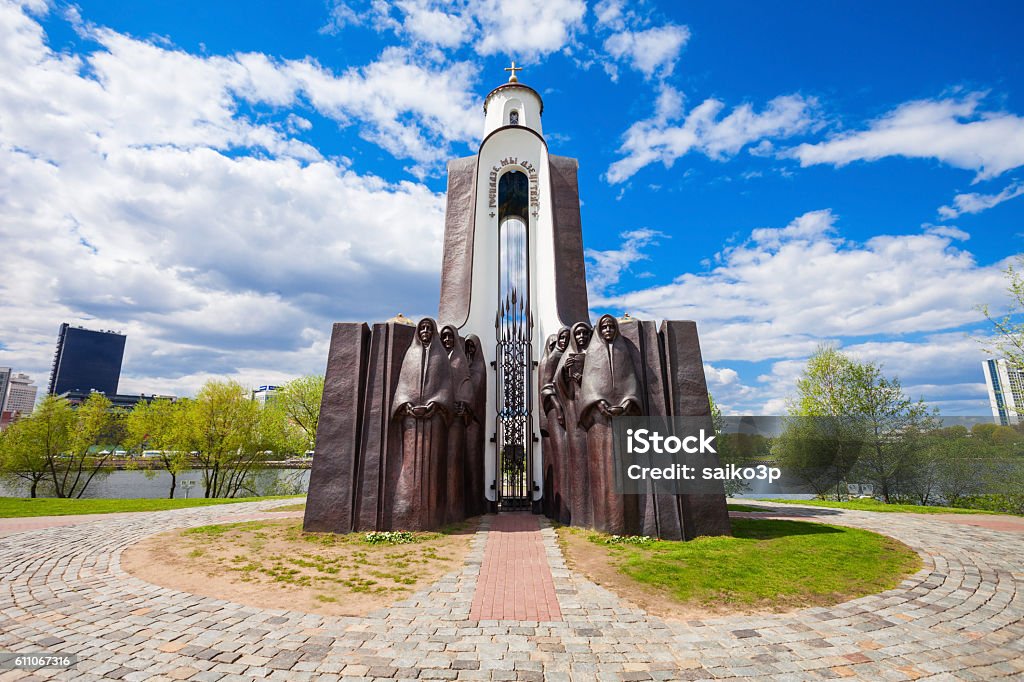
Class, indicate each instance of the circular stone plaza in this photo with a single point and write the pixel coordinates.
(512, 611)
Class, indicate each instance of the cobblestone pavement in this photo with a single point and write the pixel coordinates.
(62, 589)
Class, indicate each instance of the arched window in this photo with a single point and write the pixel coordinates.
(513, 195)
(513, 118)
(513, 202)
(514, 329)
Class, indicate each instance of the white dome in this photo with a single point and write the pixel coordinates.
(513, 104)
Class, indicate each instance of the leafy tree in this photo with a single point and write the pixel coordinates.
(727, 450)
(158, 425)
(300, 400)
(229, 434)
(20, 458)
(955, 462)
(717, 420)
(1009, 342)
(852, 418)
(93, 423)
(893, 425)
(822, 438)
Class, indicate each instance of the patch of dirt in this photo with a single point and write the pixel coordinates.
(600, 565)
(273, 564)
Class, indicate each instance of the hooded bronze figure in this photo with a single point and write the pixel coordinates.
(424, 402)
(568, 377)
(610, 388)
(476, 502)
(454, 474)
(552, 427)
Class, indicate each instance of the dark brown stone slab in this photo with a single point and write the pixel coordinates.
(457, 263)
(378, 468)
(659, 514)
(687, 394)
(571, 271)
(332, 479)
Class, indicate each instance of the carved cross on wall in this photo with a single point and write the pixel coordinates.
(513, 78)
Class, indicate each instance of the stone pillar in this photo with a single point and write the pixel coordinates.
(332, 481)
(379, 464)
(687, 393)
(659, 514)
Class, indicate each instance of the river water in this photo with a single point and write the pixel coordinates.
(156, 484)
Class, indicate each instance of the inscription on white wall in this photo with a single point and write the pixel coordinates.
(531, 174)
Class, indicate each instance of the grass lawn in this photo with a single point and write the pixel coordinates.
(878, 506)
(274, 564)
(11, 507)
(767, 566)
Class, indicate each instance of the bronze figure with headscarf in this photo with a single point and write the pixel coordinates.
(424, 402)
(610, 389)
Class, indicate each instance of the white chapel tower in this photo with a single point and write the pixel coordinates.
(513, 270)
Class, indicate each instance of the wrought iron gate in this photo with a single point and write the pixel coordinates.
(514, 330)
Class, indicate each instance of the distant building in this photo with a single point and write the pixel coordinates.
(5, 377)
(21, 394)
(264, 393)
(86, 360)
(126, 401)
(1005, 391)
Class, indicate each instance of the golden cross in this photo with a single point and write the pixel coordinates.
(513, 69)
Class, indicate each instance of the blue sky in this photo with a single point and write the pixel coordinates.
(221, 181)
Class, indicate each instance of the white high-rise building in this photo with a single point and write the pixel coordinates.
(263, 394)
(5, 377)
(21, 394)
(1005, 391)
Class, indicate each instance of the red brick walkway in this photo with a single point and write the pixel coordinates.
(515, 580)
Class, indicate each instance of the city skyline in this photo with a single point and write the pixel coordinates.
(223, 185)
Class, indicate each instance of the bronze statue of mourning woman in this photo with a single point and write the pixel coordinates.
(424, 403)
(475, 409)
(568, 379)
(454, 469)
(609, 388)
(552, 430)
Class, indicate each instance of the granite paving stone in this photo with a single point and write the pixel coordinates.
(62, 589)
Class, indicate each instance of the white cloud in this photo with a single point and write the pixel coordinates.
(788, 289)
(611, 14)
(953, 131)
(407, 108)
(722, 376)
(135, 195)
(525, 30)
(948, 231)
(663, 139)
(434, 25)
(898, 300)
(651, 51)
(340, 15)
(135, 93)
(808, 227)
(974, 202)
(605, 268)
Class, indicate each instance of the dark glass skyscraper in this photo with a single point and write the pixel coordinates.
(86, 360)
